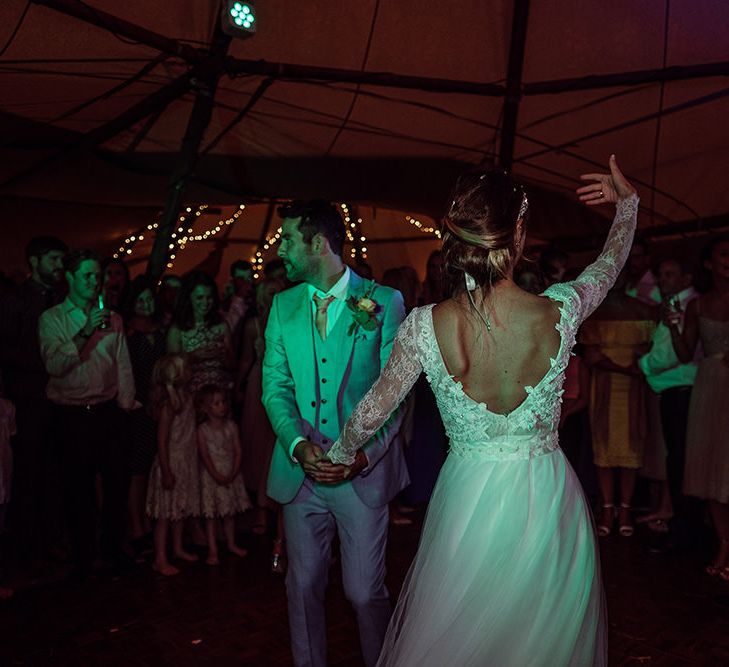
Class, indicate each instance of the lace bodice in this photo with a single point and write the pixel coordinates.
(474, 431)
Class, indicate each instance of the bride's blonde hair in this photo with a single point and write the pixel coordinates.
(480, 229)
(170, 378)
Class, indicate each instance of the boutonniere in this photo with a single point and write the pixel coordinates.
(364, 310)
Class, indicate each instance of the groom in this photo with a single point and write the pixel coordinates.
(321, 358)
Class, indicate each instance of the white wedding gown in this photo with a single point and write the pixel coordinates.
(507, 571)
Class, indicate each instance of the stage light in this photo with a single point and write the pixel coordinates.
(239, 18)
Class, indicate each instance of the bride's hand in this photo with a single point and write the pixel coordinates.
(607, 188)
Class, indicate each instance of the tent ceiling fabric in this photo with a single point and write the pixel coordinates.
(368, 144)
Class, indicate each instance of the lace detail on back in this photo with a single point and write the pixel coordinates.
(474, 431)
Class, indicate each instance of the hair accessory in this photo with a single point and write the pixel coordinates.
(523, 208)
(471, 287)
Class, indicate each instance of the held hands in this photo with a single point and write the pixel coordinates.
(312, 459)
(607, 188)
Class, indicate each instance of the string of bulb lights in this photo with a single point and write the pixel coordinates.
(182, 237)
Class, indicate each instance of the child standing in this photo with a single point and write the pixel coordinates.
(223, 494)
(174, 491)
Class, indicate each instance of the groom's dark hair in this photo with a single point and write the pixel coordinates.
(318, 216)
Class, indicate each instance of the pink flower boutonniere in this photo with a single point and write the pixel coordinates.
(364, 309)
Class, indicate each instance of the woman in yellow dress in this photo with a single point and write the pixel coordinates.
(617, 334)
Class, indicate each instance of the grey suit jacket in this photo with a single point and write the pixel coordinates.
(291, 390)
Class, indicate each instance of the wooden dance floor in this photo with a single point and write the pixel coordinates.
(663, 611)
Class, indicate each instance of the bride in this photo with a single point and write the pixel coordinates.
(507, 571)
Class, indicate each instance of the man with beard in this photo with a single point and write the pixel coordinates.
(25, 377)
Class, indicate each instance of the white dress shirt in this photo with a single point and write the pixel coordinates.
(661, 366)
(339, 291)
(100, 372)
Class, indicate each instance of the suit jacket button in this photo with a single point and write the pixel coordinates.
(324, 380)
(323, 400)
(323, 361)
(313, 404)
(323, 421)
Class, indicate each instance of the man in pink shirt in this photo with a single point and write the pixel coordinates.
(91, 385)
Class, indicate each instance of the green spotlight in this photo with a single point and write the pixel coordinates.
(239, 18)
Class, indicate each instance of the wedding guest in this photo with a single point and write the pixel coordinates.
(174, 486)
(7, 429)
(200, 332)
(575, 401)
(258, 436)
(707, 456)
(146, 341)
(405, 280)
(553, 264)
(672, 381)
(37, 478)
(276, 269)
(222, 491)
(167, 297)
(433, 284)
(614, 337)
(115, 283)
(91, 386)
(528, 279)
(640, 281)
(240, 299)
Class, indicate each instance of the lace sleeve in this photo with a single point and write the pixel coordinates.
(397, 378)
(594, 282)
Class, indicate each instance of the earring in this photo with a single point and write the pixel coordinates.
(470, 281)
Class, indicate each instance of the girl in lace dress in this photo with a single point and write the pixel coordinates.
(707, 439)
(507, 571)
(173, 493)
(223, 494)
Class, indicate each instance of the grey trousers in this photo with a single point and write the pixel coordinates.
(310, 524)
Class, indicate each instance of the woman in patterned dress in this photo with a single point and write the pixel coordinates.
(199, 331)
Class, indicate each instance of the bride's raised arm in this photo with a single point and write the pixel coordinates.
(594, 282)
(397, 378)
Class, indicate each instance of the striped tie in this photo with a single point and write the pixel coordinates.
(322, 303)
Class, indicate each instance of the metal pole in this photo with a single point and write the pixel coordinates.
(199, 119)
(513, 82)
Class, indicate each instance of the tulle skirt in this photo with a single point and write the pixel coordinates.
(507, 572)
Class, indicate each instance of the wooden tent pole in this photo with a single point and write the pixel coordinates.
(513, 83)
(202, 109)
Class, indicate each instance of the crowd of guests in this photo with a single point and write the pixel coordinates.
(130, 412)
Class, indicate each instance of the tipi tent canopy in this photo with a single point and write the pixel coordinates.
(378, 104)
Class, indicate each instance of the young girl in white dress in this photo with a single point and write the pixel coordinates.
(222, 492)
(173, 493)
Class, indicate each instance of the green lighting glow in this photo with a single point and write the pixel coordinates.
(242, 15)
